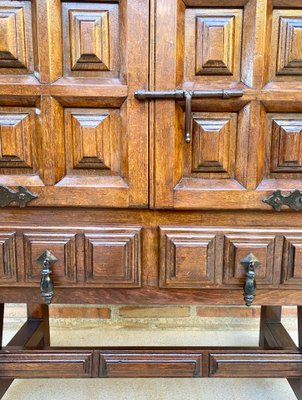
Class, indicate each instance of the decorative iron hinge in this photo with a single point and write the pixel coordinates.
(188, 95)
(22, 196)
(292, 200)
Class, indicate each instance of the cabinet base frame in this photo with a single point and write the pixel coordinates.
(29, 355)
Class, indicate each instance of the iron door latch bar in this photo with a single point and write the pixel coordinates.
(188, 95)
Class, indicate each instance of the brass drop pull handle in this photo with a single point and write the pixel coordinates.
(47, 259)
(250, 262)
(188, 95)
(293, 200)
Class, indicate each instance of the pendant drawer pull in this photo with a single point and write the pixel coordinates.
(292, 200)
(250, 262)
(187, 95)
(46, 260)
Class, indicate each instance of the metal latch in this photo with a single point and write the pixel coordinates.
(188, 95)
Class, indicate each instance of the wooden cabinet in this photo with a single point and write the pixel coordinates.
(158, 140)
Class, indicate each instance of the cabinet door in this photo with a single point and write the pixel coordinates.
(70, 128)
(243, 149)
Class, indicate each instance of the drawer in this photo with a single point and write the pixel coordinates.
(211, 257)
(108, 256)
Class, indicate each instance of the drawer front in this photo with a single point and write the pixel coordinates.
(106, 257)
(211, 257)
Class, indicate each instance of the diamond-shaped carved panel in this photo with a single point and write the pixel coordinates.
(292, 260)
(92, 140)
(187, 259)
(89, 40)
(215, 37)
(213, 144)
(16, 131)
(289, 46)
(286, 154)
(8, 258)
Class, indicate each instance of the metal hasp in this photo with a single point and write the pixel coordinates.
(292, 200)
(22, 196)
(250, 262)
(47, 259)
(188, 95)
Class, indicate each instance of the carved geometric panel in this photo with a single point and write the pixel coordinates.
(238, 246)
(187, 259)
(213, 141)
(215, 37)
(113, 258)
(15, 34)
(89, 38)
(8, 258)
(292, 260)
(286, 145)
(92, 140)
(62, 245)
(289, 46)
(15, 140)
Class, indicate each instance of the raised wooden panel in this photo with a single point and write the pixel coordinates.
(15, 33)
(258, 365)
(89, 37)
(150, 365)
(92, 141)
(292, 260)
(8, 258)
(113, 258)
(290, 50)
(16, 134)
(214, 138)
(187, 258)
(238, 246)
(215, 45)
(62, 245)
(212, 43)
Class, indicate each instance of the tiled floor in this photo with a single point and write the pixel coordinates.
(92, 333)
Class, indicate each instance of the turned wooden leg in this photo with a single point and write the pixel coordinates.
(40, 312)
(4, 383)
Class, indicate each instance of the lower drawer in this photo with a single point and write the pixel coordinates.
(102, 257)
(211, 257)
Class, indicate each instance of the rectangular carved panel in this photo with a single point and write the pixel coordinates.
(292, 260)
(113, 257)
(213, 42)
(62, 245)
(214, 139)
(47, 364)
(150, 365)
(283, 145)
(187, 258)
(92, 141)
(238, 246)
(8, 258)
(16, 36)
(91, 39)
(256, 365)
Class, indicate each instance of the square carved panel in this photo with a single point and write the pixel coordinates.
(62, 245)
(16, 36)
(214, 141)
(283, 145)
(237, 246)
(113, 258)
(292, 260)
(187, 258)
(92, 141)
(213, 42)
(8, 258)
(91, 38)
